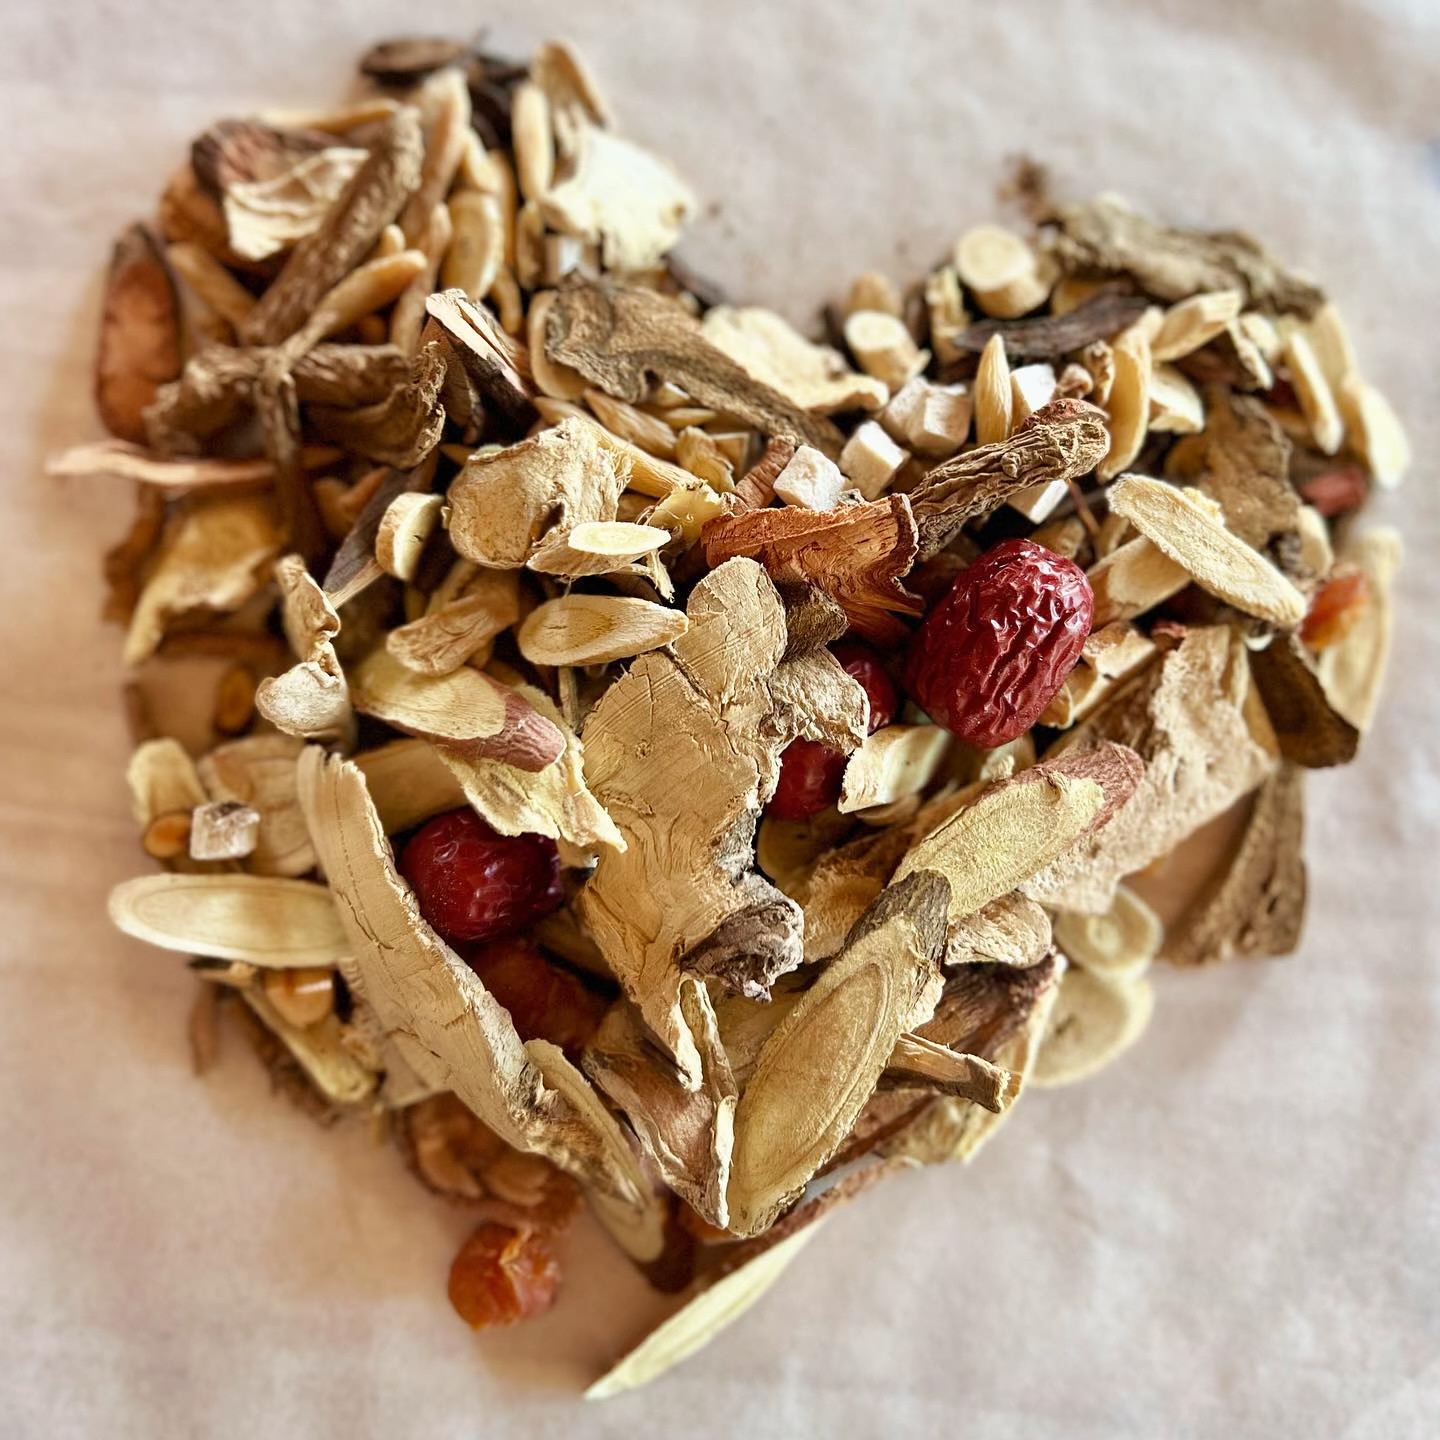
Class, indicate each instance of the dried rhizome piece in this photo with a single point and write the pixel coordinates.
(629, 750)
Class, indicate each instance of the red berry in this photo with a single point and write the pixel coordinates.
(475, 884)
(544, 1001)
(991, 655)
(502, 1275)
(810, 773)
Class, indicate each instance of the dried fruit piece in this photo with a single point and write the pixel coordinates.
(1336, 607)
(994, 652)
(474, 884)
(303, 996)
(544, 1001)
(502, 1275)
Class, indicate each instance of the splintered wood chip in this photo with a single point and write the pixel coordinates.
(1217, 560)
(799, 1105)
(449, 1027)
(856, 554)
(1308, 729)
(466, 712)
(310, 699)
(1255, 904)
(1118, 945)
(594, 629)
(1095, 1020)
(703, 1317)
(265, 921)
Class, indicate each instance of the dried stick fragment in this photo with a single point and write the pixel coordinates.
(1106, 238)
(371, 200)
(920, 1064)
(857, 555)
(1061, 441)
(1051, 337)
(311, 698)
(620, 338)
(139, 347)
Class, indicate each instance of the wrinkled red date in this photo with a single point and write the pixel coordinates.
(991, 655)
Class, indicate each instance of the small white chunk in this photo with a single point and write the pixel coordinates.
(1038, 502)
(1031, 386)
(932, 420)
(871, 459)
(810, 480)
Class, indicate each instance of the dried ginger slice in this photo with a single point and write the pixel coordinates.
(799, 1105)
(1189, 719)
(448, 1026)
(710, 715)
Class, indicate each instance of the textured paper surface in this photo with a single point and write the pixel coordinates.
(1233, 1233)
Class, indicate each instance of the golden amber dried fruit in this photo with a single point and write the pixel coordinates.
(1337, 605)
(503, 1275)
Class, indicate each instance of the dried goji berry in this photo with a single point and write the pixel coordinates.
(1337, 605)
(991, 655)
(502, 1275)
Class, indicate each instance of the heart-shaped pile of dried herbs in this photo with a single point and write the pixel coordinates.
(651, 757)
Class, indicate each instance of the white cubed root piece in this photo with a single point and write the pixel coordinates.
(883, 347)
(871, 459)
(933, 420)
(1037, 502)
(810, 480)
(1031, 386)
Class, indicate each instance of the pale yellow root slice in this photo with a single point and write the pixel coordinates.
(993, 394)
(406, 525)
(1216, 559)
(262, 919)
(1001, 270)
(408, 783)
(596, 547)
(595, 629)
(894, 763)
(1133, 578)
(1189, 324)
(449, 1028)
(1128, 405)
(1353, 670)
(1094, 1021)
(319, 1050)
(1312, 390)
(1375, 431)
(1120, 944)
(701, 1319)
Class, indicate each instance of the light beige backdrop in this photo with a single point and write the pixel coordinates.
(1232, 1234)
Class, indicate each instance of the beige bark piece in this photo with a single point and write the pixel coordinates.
(223, 830)
(408, 781)
(258, 771)
(162, 779)
(883, 347)
(119, 460)
(266, 215)
(815, 377)
(621, 197)
(503, 503)
(688, 1134)
(554, 801)
(701, 1319)
(595, 629)
(1133, 578)
(448, 1026)
(558, 381)
(1095, 1020)
(1194, 322)
(259, 919)
(1128, 405)
(1009, 931)
(214, 556)
(1312, 389)
(1353, 670)
(1175, 404)
(1118, 945)
(993, 395)
(311, 698)
(1375, 431)
(799, 1105)
(1217, 560)
(456, 627)
(870, 460)
(319, 1050)
(1255, 903)
(707, 716)
(465, 712)
(1001, 270)
(894, 762)
(1186, 717)
(929, 419)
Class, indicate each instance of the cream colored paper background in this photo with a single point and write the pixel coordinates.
(1235, 1233)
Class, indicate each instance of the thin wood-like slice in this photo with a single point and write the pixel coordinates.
(1193, 322)
(1120, 944)
(1353, 670)
(139, 347)
(597, 547)
(408, 522)
(702, 1318)
(1051, 337)
(1309, 730)
(994, 398)
(1312, 389)
(449, 1027)
(1375, 431)
(465, 712)
(594, 629)
(319, 1050)
(1217, 560)
(265, 921)
(258, 771)
(1095, 1020)
(1129, 403)
(894, 762)
(799, 1104)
